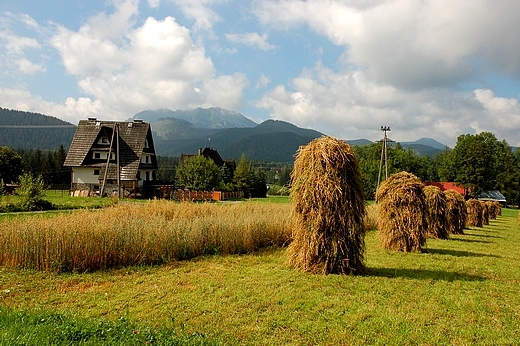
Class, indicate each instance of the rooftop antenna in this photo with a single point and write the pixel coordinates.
(384, 155)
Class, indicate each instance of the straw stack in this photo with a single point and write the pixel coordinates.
(475, 212)
(436, 203)
(402, 219)
(456, 212)
(329, 209)
(485, 213)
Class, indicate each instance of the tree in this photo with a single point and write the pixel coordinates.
(473, 162)
(258, 183)
(11, 165)
(199, 173)
(243, 175)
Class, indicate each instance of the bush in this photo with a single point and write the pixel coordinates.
(30, 190)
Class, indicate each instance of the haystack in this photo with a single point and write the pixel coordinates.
(492, 211)
(329, 209)
(474, 213)
(456, 212)
(402, 222)
(485, 213)
(436, 216)
(498, 208)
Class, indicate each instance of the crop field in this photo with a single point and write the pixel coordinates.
(231, 284)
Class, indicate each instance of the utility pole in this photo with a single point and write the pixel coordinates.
(384, 155)
(117, 163)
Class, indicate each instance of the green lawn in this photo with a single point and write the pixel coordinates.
(462, 291)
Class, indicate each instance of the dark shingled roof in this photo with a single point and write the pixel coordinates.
(132, 137)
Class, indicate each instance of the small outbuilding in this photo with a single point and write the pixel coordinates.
(493, 195)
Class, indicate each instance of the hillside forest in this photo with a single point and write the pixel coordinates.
(477, 162)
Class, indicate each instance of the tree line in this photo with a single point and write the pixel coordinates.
(477, 162)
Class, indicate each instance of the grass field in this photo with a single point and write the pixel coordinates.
(462, 291)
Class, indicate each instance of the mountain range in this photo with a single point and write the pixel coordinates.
(183, 132)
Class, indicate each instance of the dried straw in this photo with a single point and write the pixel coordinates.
(436, 203)
(456, 212)
(498, 208)
(485, 213)
(492, 211)
(475, 211)
(329, 209)
(402, 219)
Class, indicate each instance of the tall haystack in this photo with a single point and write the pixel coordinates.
(402, 222)
(485, 213)
(474, 213)
(456, 212)
(329, 209)
(498, 208)
(492, 211)
(437, 221)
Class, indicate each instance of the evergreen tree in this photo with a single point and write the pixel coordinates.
(243, 175)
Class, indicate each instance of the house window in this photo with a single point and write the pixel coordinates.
(146, 144)
(97, 155)
(147, 159)
(104, 140)
(96, 172)
(147, 175)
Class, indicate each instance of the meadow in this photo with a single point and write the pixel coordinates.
(231, 283)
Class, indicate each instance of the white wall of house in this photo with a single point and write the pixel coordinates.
(84, 175)
(146, 158)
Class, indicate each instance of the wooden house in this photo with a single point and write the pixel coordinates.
(111, 158)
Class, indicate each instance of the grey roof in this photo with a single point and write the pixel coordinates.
(492, 195)
(132, 137)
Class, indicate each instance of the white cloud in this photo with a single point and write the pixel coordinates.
(349, 106)
(410, 44)
(200, 11)
(154, 65)
(263, 82)
(27, 67)
(252, 39)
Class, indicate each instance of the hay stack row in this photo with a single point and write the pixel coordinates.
(329, 209)
(480, 212)
(410, 213)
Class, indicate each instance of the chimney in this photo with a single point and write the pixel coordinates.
(200, 151)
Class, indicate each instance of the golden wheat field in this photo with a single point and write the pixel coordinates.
(132, 234)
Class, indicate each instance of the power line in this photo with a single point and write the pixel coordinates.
(36, 126)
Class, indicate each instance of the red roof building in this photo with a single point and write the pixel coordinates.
(445, 185)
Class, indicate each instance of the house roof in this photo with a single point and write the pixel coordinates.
(492, 195)
(132, 138)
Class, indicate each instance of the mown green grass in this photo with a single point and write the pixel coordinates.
(461, 291)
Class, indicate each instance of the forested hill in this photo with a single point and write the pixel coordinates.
(26, 130)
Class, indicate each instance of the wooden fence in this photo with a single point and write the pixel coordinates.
(189, 195)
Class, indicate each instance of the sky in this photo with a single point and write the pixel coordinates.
(429, 68)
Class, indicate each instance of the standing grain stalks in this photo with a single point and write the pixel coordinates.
(402, 219)
(474, 213)
(436, 216)
(456, 212)
(329, 209)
